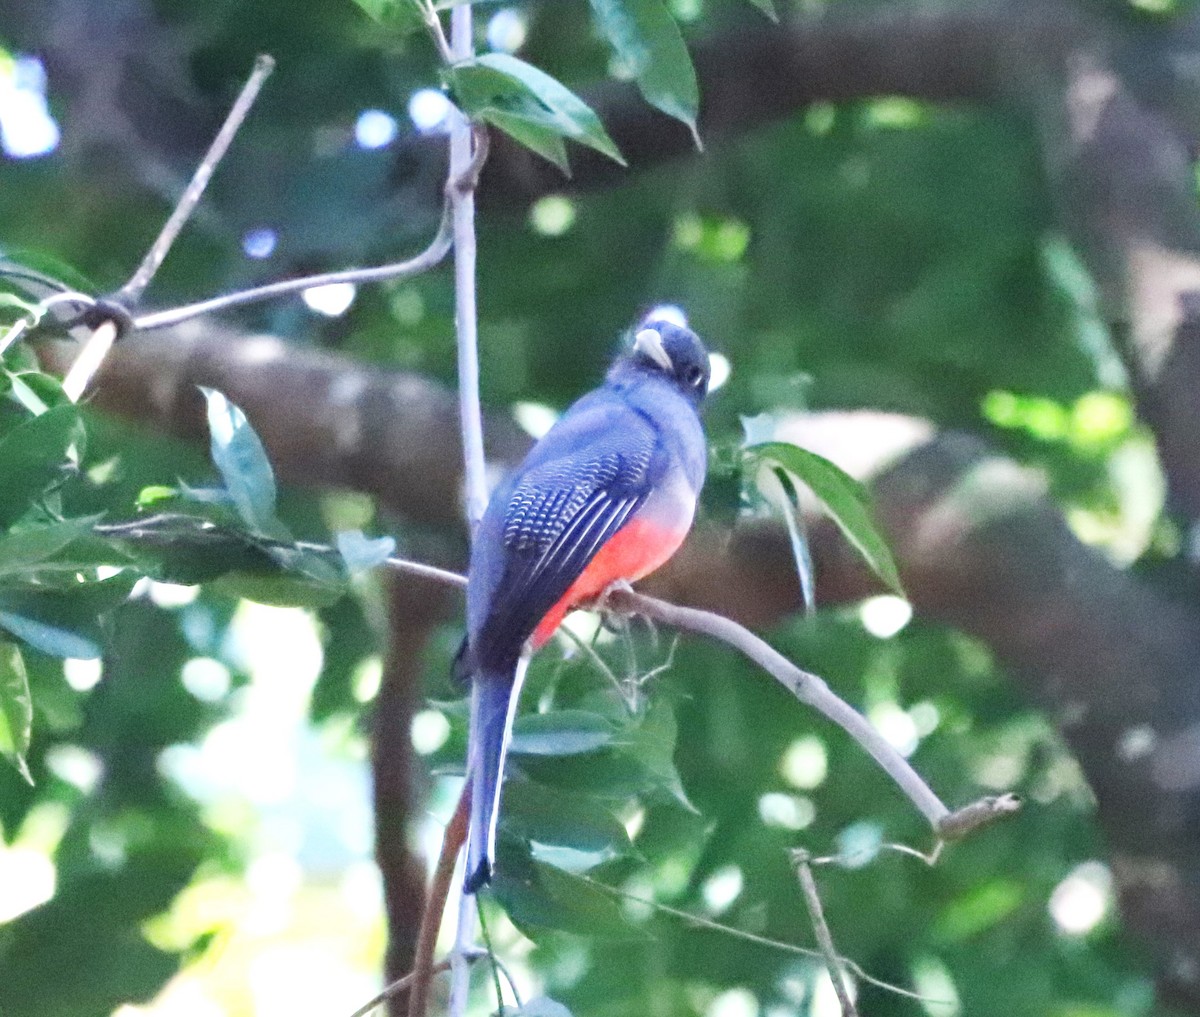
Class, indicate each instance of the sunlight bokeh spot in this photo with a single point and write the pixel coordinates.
(1081, 900)
(738, 1002)
(430, 729)
(804, 763)
(788, 812)
(884, 616)
(82, 675)
(375, 128)
(721, 889)
(332, 299)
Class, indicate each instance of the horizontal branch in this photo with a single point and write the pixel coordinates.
(808, 688)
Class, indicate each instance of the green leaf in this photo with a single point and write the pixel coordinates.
(654, 744)
(22, 550)
(530, 132)
(39, 275)
(560, 733)
(539, 813)
(539, 896)
(63, 624)
(361, 554)
(280, 590)
(404, 15)
(844, 497)
(649, 43)
(775, 488)
(529, 104)
(240, 457)
(48, 623)
(16, 708)
(33, 456)
(35, 391)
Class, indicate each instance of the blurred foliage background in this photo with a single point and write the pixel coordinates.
(199, 838)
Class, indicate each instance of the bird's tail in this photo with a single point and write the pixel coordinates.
(493, 706)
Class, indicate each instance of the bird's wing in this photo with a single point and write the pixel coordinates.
(558, 516)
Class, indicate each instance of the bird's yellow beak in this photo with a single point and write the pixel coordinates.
(649, 342)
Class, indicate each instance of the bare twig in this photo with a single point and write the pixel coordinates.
(435, 904)
(978, 814)
(806, 687)
(816, 914)
(395, 988)
(132, 291)
(427, 259)
(434, 23)
(417, 568)
(464, 169)
(752, 937)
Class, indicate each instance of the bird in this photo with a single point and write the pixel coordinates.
(607, 494)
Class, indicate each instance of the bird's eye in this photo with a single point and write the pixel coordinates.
(694, 376)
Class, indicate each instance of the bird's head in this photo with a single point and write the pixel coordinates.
(663, 349)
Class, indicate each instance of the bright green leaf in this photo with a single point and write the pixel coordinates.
(844, 497)
(649, 42)
(239, 455)
(154, 493)
(16, 708)
(520, 99)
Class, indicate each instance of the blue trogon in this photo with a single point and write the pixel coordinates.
(608, 493)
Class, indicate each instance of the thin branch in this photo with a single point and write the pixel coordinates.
(467, 152)
(816, 913)
(427, 259)
(417, 568)
(806, 687)
(434, 23)
(464, 169)
(752, 937)
(132, 291)
(435, 904)
(395, 988)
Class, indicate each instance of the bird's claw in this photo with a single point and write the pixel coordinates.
(605, 601)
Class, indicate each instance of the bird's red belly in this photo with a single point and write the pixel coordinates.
(636, 550)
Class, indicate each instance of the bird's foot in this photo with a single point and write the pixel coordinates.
(609, 602)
